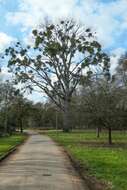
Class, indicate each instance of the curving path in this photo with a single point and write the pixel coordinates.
(39, 164)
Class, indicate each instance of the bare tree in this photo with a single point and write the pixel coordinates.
(61, 54)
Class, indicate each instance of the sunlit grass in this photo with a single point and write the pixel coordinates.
(108, 163)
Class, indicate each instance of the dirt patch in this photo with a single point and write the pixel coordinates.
(102, 144)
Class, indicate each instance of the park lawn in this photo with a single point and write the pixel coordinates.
(7, 143)
(108, 163)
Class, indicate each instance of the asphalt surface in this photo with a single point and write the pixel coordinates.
(39, 164)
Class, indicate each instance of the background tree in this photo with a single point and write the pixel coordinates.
(14, 109)
(121, 70)
(21, 108)
(8, 94)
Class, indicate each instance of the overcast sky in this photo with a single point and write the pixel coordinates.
(107, 17)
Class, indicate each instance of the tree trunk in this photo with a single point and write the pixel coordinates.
(98, 132)
(66, 117)
(110, 135)
(6, 122)
(21, 125)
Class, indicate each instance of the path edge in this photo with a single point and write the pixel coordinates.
(13, 149)
(91, 181)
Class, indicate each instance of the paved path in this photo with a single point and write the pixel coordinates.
(39, 165)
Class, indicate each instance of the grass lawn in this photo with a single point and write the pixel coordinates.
(7, 143)
(108, 163)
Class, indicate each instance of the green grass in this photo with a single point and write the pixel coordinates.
(7, 143)
(108, 163)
